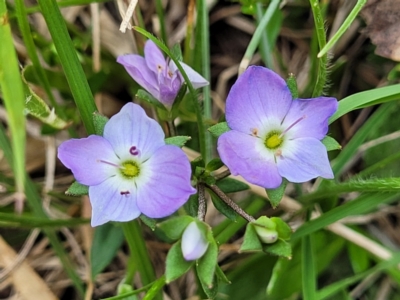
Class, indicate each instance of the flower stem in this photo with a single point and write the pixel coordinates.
(232, 204)
(202, 202)
(320, 30)
(139, 256)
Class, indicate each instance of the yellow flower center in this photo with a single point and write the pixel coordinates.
(273, 140)
(130, 169)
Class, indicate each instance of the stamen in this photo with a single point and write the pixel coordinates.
(254, 131)
(108, 163)
(291, 126)
(278, 152)
(134, 151)
(126, 193)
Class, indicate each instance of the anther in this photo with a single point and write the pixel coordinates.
(254, 131)
(125, 193)
(134, 151)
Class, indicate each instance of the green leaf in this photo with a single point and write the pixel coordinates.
(222, 207)
(230, 185)
(179, 140)
(148, 221)
(143, 95)
(279, 248)
(99, 122)
(174, 227)
(275, 195)
(212, 290)
(365, 99)
(308, 268)
(331, 144)
(218, 129)
(206, 265)
(77, 189)
(177, 51)
(176, 265)
(107, 239)
(283, 229)
(214, 164)
(37, 107)
(221, 275)
(251, 242)
(292, 85)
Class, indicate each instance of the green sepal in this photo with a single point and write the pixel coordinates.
(179, 140)
(230, 185)
(330, 143)
(292, 85)
(221, 275)
(173, 228)
(212, 291)
(148, 221)
(283, 229)
(197, 162)
(205, 266)
(179, 97)
(218, 129)
(124, 288)
(77, 189)
(208, 179)
(251, 242)
(176, 265)
(143, 95)
(99, 122)
(192, 205)
(214, 164)
(200, 172)
(222, 207)
(275, 195)
(279, 248)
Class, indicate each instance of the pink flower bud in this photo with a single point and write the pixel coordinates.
(194, 244)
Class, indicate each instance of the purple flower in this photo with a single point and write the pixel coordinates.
(129, 170)
(194, 244)
(272, 135)
(159, 76)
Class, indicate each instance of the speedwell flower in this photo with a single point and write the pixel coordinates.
(159, 76)
(273, 135)
(129, 170)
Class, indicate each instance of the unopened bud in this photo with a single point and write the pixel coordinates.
(265, 229)
(194, 244)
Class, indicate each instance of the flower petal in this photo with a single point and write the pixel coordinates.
(137, 68)
(85, 158)
(315, 111)
(154, 58)
(194, 245)
(169, 88)
(303, 159)
(166, 182)
(132, 127)
(195, 78)
(108, 204)
(245, 155)
(258, 98)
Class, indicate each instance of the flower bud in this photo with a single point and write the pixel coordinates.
(266, 230)
(194, 244)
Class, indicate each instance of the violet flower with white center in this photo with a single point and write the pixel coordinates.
(273, 135)
(159, 76)
(194, 244)
(129, 170)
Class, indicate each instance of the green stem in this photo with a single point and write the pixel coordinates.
(265, 48)
(69, 60)
(160, 13)
(346, 24)
(255, 40)
(308, 269)
(203, 30)
(320, 31)
(139, 256)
